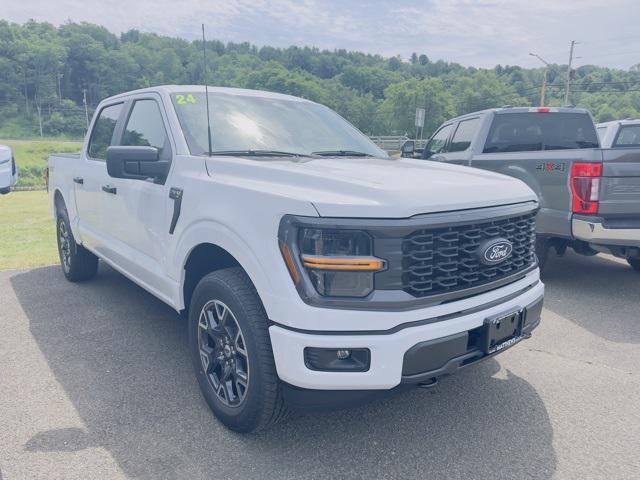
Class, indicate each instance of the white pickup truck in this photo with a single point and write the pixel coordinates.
(8, 170)
(314, 270)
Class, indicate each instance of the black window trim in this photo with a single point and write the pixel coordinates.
(130, 104)
(614, 144)
(113, 135)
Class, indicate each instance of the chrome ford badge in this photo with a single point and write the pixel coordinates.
(495, 251)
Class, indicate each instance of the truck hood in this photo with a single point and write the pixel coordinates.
(374, 187)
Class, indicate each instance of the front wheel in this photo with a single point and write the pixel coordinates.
(78, 263)
(635, 263)
(231, 352)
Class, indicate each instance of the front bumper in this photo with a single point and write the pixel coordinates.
(595, 232)
(388, 348)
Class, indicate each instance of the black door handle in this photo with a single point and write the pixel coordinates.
(176, 195)
(109, 189)
(78, 180)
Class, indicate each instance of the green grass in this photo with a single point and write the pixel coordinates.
(31, 157)
(27, 231)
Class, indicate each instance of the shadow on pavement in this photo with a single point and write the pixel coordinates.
(597, 293)
(121, 357)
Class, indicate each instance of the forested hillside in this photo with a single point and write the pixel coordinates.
(45, 71)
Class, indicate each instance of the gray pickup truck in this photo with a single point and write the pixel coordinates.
(590, 196)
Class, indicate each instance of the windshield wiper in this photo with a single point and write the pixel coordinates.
(341, 153)
(256, 153)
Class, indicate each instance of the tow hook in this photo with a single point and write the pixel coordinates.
(432, 382)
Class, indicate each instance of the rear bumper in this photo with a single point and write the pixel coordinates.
(389, 360)
(594, 231)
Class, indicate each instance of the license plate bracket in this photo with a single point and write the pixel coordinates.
(502, 331)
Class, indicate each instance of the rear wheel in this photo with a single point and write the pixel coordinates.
(231, 352)
(635, 263)
(78, 263)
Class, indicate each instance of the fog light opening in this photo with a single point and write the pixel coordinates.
(337, 359)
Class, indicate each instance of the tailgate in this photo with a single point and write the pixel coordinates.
(547, 173)
(620, 189)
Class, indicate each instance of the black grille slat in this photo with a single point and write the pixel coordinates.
(445, 259)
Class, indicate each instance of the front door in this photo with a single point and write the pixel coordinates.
(141, 227)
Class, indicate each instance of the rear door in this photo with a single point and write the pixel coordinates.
(539, 147)
(620, 190)
(91, 179)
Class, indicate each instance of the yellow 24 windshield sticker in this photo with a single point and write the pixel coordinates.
(185, 99)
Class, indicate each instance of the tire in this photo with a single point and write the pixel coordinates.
(78, 263)
(635, 263)
(226, 318)
(542, 247)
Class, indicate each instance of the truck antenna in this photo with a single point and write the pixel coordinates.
(206, 89)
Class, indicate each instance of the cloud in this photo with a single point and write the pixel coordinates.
(472, 32)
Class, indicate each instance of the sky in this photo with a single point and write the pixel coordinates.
(481, 33)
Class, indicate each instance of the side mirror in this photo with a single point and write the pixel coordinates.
(407, 149)
(137, 163)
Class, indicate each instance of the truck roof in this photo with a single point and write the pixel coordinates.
(169, 89)
(501, 110)
(626, 121)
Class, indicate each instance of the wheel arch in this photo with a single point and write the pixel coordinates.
(208, 246)
(58, 201)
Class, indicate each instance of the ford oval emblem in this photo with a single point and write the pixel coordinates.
(495, 251)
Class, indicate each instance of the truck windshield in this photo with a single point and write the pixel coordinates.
(527, 132)
(248, 123)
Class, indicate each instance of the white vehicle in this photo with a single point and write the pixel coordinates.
(314, 269)
(619, 133)
(8, 170)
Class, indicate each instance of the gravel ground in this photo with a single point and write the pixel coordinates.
(95, 382)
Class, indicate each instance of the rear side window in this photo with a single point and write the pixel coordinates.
(465, 133)
(529, 132)
(628, 136)
(103, 129)
(146, 128)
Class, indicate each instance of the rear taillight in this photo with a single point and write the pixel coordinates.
(585, 187)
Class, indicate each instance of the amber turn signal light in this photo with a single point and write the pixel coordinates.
(368, 264)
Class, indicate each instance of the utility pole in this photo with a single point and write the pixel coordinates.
(58, 78)
(544, 79)
(86, 110)
(566, 92)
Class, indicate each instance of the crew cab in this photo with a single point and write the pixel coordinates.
(589, 196)
(8, 170)
(314, 270)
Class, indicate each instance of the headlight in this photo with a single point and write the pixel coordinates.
(338, 263)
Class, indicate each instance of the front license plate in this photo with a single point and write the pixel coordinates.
(503, 331)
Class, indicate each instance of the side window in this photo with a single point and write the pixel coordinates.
(438, 142)
(464, 135)
(102, 133)
(146, 128)
(629, 136)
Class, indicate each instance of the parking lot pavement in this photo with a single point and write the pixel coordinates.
(95, 382)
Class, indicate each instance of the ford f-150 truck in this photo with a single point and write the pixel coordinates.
(8, 170)
(589, 197)
(314, 270)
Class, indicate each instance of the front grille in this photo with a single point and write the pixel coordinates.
(445, 259)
